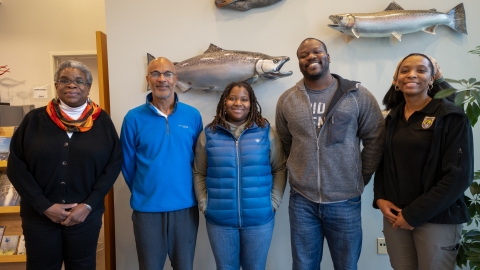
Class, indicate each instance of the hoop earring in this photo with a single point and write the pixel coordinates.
(430, 87)
(396, 87)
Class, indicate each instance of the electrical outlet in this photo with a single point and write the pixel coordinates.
(381, 246)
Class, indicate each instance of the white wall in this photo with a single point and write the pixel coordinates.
(31, 30)
(182, 29)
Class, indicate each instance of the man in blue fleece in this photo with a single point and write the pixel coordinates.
(321, 122)
(158, 140)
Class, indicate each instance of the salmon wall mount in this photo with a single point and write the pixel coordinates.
(394, 21)
(244, 5)
(216, 68)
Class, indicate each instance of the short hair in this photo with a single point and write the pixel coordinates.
(77, 65)
(323, 44)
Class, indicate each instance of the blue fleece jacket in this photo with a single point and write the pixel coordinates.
(158, 156)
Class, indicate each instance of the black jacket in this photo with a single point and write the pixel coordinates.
(447, 173)
(46, 166)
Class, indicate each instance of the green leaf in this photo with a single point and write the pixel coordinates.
(474, 188)
(463, 81)
(471, 80)
(476, 95)
(472, 112)
(475, 250)
(461, 258)
(467, 199)
(471, 252)
(460, 98)
(476, 175)
(445, 93)
(451, 80)
(475, 245)
(478, 210)
(472, 209)
(476, 109)
(473, 232)
(473, 259)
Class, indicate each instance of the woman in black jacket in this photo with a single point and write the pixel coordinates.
(64, 158)
(427, 166)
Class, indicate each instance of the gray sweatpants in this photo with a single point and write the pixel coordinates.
(158, 234)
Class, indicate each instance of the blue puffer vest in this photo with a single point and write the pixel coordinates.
(239, 177)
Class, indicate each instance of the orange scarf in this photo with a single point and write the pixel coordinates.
(63, 121)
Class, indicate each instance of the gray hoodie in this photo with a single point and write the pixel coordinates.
(331, 167)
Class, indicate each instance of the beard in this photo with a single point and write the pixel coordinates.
(316, 76)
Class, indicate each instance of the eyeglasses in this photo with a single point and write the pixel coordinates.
(77, 82)
(166, 74)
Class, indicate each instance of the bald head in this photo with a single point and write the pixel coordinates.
(161, 63)
(162, 79)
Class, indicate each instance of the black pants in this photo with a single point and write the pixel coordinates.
(48, 244)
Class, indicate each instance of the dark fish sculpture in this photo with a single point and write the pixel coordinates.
(216, 68)
(394, 21)
(244, 5)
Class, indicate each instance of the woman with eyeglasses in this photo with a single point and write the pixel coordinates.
(426, 168)
(239, 178)
(64, 158)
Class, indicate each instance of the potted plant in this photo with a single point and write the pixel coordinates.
(469, 98)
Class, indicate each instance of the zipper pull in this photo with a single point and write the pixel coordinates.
(333, 120)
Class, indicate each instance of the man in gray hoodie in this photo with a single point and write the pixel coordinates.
(321, 121)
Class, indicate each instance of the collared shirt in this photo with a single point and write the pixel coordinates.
(411, 144)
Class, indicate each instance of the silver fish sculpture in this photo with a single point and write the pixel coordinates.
(244, 5)
(216, 68)
(394, 21)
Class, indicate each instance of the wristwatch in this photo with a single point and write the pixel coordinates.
(88, 207)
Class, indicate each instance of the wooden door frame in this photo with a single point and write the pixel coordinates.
(104, 102)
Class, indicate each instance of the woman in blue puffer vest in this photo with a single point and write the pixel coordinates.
(239, 177)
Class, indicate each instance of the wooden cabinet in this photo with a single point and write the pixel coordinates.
(10, 218)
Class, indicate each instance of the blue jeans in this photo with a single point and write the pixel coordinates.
(234, 247)
(340, 223)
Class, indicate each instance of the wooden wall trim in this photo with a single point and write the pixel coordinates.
(104, 95)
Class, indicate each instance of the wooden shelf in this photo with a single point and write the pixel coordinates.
(13, 258)
(10, 217)
(6, 131)
(9, 209)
